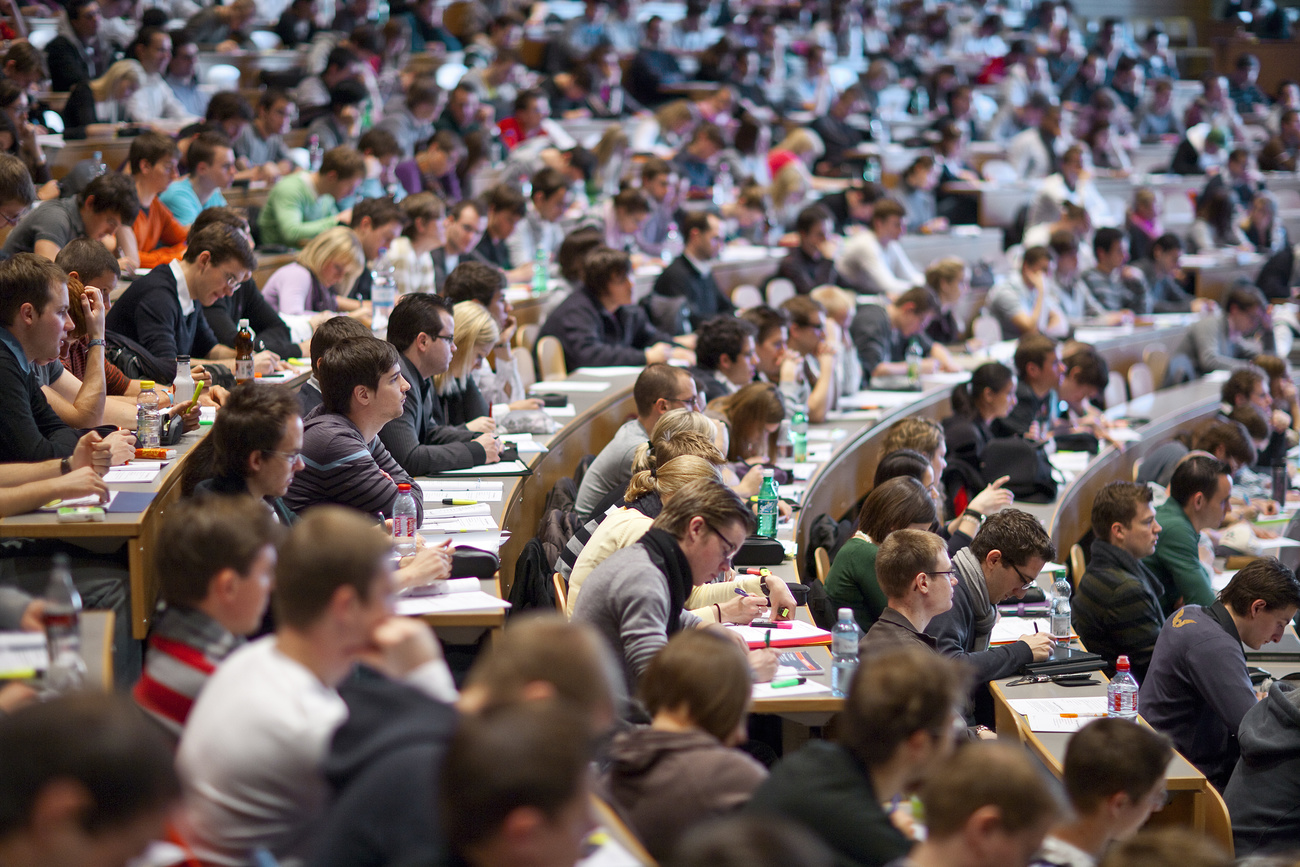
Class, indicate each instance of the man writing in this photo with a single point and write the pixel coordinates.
(881, 335)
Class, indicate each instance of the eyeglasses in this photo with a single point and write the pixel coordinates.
(732, 549)
(948, 574)
(291, 457)
(13, 221)
(689, 401)
(450, 338)
(1026, 582)
(232, 280)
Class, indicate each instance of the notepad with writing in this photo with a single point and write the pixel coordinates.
(799, 634)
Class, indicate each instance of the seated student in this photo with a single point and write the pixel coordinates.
(515, 788)
(462, 227)
(155, 237)
(1198, 500)
(977, 405)
(812, 262)
(1198, 689)
(163, 311)
(1115, 284)
(1002, 562)
(873, 262)
(321, 279)
(107, 202)
(917, 578)
(376, 222)
(215, 575)
(540, 231)
(635, 598)
(342, 124)
(411, 122)
(85, 774)
(1261, 794)
(1166, 279)
(770, 345)
(411, 256)
(695, 161)
(345, 462)
(897, 724)
(1022, 303)
(1039, 369)
(658, 389)
(1068, 184)
(1281, 153)
(1216, 225)
(1117, 604)
(896, 504)
(683, 769)
(433, 169)
(302, 205)
(949, 279)
(1231, 337)
(211, 161)
(261, 144)
(690, 275)
(598, 325)
(1248, 385)
(506, 207)
(499, 381)
(253, 747)
(811, 360)
(1142, 224)
(621, 223)
(330, 333)
(1114, 774)
(475, 335)
(726, 357)
(881, 335)
(752, 418)
(1222, 438)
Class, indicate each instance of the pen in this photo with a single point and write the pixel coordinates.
(740, 592)
(460, 502)
(1080, 715)
(789, 681)
(1035, 627)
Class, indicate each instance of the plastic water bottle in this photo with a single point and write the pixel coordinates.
(1060, 623)
(404, 521)
(541, 271)
(147, 422)
(767, 505)
(799, 436)
(97, 159)
(1122, 692)
(913, 358)
(871, 167)
(724, 187)
(382, 295)
(183, 384)
(844, 653)
(315, 153)
(672, 244)
(785, 441)
(67, 671)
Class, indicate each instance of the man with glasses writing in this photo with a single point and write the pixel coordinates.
(1002, 562)
(658, 389)
(162, 312)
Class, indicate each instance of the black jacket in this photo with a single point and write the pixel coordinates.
(681, 279)
(247, 302)
(594, 337)
(462, 407)
(492, 252)
(69, 64)
(1116, 609)
(30, 430)
(149, 312)
(807, 273)
(421, 441)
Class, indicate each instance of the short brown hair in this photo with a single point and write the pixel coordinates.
(357, 361)
(206, 536)
(236, 218)
(988, 775)
(895, 505)
(252, 419)
(896, 694)
(1035, 256)
(1166, 847)
(1229, 435)
(27, 278)
(223, 243)
(902, 556)
(1250, 418)
(601, 266)
(1241, 382)
(705, 672)
(922, 299)
(422, 206)
(332, 332)
(15, 181)
(717, 504)
(1033, 349)
(204, 147)
(886, 208)
(1092, 369)
(918, 434)
(1264, 578)
(506, 197)
(803, 310)
(345, 162)
(329, 548)
(151, 147)
(1113, 755)
(1117, 503)
(380, 210)
(379, 143)
(657, 381)
(1017, 534)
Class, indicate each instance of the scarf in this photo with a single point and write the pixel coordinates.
(972, 575)
(668, 558)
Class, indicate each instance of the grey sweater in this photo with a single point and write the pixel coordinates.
(626, 599)
(612, 468)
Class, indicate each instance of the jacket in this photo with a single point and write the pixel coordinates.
(1116, 609)
(464, 403)
(956, 634)
(666, 782)
(341, 467)
(682, 279)
(294, 213)
(807, 273)
(892, 630)
(594, 337)
(30, 430)
(1209, 346)
(852, 583)
(828, 790)
(1263, 796)
(1176, 563)
(149, 313)
(420, 441)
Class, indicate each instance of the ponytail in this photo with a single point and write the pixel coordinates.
(963, 400)
(991, 376)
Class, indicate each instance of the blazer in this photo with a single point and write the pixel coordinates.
(681, 279)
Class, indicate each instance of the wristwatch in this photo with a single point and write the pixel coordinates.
(99, 341)
(978, 516)
(65, 466)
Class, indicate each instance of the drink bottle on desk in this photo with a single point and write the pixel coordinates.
(67, 671)
(244, 353)
(1060, 622)
(768, 510)
(383, 295)
(183, 384)
(1122, 692)
(541, 271)
(799, 436)
(404, 521)
(913, 358)
(844, 653)
(148, 424)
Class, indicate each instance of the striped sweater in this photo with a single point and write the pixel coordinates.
(341, 467)
(185, 647)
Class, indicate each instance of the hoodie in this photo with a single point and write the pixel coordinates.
(666, 782)
(382, 767)
(1263, 796)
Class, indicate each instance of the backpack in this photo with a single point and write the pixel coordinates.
(532, 587)
(1026, 463)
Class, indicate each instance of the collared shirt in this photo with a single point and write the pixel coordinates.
(182, 289)
(704, 266)
(8, 339)
(1055, 852)
(155, 101)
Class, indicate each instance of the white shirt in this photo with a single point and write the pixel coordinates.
(1061, 854)
(868, 267)
(155, 101)
(1053, 192)
(182, 288)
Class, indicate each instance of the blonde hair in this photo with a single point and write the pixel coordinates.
(339, 244)
(839, 303)
(673, 432)
(786, 183)
(747, 413)
(475, 327)
(800, 142)
(671, 476)
(105, 87)
(674, 114)
(944, 270)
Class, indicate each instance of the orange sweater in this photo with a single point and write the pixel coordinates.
(160, 238)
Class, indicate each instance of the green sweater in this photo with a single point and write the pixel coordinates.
(294, 213)
(1176, 562)
(852, 581)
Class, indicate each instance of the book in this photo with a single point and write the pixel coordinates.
(798, 662)
(799, 634)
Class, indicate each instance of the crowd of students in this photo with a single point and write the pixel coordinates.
(281, 710)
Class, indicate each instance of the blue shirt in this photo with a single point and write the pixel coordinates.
(184, 203)
(8, 339)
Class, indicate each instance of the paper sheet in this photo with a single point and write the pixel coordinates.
(489, 541)
(130, 475)
(504, 468)
(455, 526)
(612, 370)
(810, 687)
(472, 601)
(1050, 722)
(561, 411)
(570, 386)
(827, 434)
(22, 654)
(442, 492)
(442, 588)
(1094, 704)
(91, 500)
(879, 399)
(443, 513)
(798, 631)
(1009, 629)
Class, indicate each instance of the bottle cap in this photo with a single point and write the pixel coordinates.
(768, 472)
(1121, 664)
(243, 323)
(846, 614)
(146, 384)
(404, 487)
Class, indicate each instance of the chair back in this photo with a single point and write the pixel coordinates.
(745, 297)
(1000, 171)
(550, 359)
(1077, 564)
(986, 329)
(779, 290)
(1140, 380)
(822, 558)
(524, 364)
(1116, 390)
(1156, 357)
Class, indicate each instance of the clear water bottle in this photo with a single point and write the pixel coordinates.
(97, 160)
(147, 422)
(67, 671)
(673, 245)
(183, 384)
(767, 505)
(724, 187)
(922, 102)
(844, 653)
(541, 271)
(799, 436)
(871, 166)
(1060, 622)
(404, 520)
(315, 153)
(784, 442)
(1122, 692)
(382, 295)
(913, 358)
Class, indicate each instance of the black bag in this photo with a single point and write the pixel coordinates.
(669, 314)
(1079, 441)
(1066, 660)
(473, 563)
(759, 551)
(1026, 463)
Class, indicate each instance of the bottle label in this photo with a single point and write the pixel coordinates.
(243, 369)
(403, 526)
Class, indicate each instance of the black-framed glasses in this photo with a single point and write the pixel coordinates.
(948, 574)
(14, 221)
(689, 401)
(1026, 583)
(732, 549)
(450, 338)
